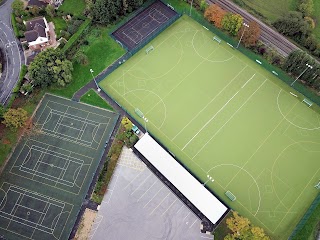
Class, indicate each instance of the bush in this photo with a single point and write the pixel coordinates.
(76, 36)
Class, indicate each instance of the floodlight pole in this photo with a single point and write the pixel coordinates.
(191, 7)
(209, 179)
(308, 66)
(145, 123)
(244, 29)
(94, 79)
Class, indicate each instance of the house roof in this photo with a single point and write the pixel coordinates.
(35, 28)
(37, 3)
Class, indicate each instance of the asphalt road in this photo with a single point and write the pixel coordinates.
(268, 35)
(12, 53)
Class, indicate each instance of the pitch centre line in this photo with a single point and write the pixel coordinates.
(210, 119)
(229, 119)
(209, 103)
(248, 81)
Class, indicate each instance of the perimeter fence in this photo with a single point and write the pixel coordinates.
(198, 16)
(142, 44)
(305, 217)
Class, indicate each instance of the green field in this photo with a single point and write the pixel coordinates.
(75, 7)
(223, 115)
(272, 9)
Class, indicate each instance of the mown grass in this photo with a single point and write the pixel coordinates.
(74, 7)
(272, 9)
(92, 98)
(316, 13)
(101, 51)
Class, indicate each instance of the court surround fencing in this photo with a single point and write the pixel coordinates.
(305, 217)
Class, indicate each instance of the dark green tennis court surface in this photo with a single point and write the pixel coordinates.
(49, 173)
(226, 117)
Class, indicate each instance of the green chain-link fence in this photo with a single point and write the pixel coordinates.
(305, 217)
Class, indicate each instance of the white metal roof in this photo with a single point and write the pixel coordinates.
(190, 187)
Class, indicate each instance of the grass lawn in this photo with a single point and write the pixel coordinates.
(92, 98)
(75, 7)
(59, 25)
(101, 51)
(272, 9)
(316, 13)
(225, 116)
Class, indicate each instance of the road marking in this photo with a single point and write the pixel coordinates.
(153, 197)
(159, 204)
(147, 190)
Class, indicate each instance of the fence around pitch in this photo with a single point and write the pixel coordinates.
(129, 54)
(283, 76)
(305, 217)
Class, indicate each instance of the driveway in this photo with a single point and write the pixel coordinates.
(138, 206)
(12, 53)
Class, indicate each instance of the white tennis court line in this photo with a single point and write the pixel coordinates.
(16, 164)
(17, 219)
(77, 118)
(143, 20)
(54, 154)
(64, 204)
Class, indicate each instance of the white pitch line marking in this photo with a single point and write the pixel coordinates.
(210, 119)
(248, 81)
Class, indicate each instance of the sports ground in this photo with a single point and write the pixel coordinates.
(227, 118)
(49, 173)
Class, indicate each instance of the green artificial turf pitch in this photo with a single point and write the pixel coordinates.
(224, 116)
(48, 175)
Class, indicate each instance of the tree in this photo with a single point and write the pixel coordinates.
(295, 64)
(17, 7)
(50, 10)
(35, 10)
(232, 23)
(237, 224)
(214, 13)
(293, 25)
(127, 124)
(251, 34)
(50, 67)
(15, 118)
(81, 58)
(258, 234)
(306, 7)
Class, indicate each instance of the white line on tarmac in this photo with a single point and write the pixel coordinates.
(153, 197)
(147, 190)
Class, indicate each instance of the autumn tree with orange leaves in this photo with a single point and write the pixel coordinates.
(214, 13)
(251, 34)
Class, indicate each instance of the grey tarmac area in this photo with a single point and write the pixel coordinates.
(138, 206)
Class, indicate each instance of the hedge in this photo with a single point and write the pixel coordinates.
(76, 36)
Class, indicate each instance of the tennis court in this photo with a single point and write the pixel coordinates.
(49, 173)
(144, 24)
(233, 124)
